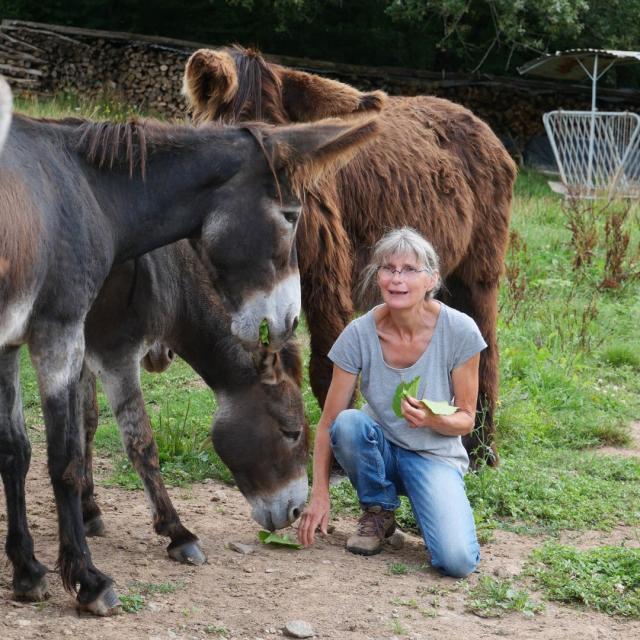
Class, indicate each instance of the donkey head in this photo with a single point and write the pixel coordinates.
(238, 85)
(250, 234)
(261, 434)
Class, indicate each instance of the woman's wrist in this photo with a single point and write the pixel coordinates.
(320, 492)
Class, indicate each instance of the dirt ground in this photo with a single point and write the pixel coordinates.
(253, 596)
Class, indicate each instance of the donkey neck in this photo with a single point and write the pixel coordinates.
(201, 330)
(175, 194)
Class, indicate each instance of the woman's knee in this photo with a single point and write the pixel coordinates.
(348, 428)
(458, 562)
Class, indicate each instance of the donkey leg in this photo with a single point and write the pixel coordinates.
(125, 397)
(480, 301)
(91, 514)
(29, 579)
(57, 351)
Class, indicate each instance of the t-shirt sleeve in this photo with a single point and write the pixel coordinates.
(346, 351)
(469, 341)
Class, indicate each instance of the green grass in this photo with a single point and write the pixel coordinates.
(606, 579)
(544, 491)
(135, 600)
(495, 597)
(398, 569)
(181, 409)
(63, 106)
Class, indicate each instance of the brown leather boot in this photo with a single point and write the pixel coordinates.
(374, 526)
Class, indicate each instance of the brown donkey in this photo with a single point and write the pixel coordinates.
(76, 198)
(435, 167)
(260, 430)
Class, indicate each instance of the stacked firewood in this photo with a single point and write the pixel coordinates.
(142, 74)
(145, 73)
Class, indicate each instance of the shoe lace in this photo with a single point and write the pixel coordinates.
(371, 524)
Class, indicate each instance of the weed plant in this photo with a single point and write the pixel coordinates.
(605, 578)
(495, 597)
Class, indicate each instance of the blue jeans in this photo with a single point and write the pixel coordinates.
(380, 471)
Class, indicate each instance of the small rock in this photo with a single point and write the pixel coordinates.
(219, 496)
(298, 629)
(331, 528)
(503, 572)
(244, 549)
(22, 622)
(396, 540)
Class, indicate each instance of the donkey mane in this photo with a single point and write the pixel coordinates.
(109, 144)
(259, 94)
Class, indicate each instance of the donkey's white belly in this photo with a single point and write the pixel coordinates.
(13, 322)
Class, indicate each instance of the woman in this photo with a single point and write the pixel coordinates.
(420, 454)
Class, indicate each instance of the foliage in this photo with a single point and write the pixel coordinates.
(492, 35)
(544, 491)
(132, 602)
(403, 390)
(135, 599)
(398, 569)
(181, 410)
(264, 332)
(268, 537)
(493, 597)
(605, 578)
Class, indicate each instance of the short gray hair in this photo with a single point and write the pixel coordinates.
(404, 240)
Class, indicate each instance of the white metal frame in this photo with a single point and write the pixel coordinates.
(610, 145)
(614, 133)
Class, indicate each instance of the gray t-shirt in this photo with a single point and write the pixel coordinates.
(455, 339)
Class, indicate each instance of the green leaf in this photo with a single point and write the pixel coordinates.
(439, 408)
(264, 332)
(267, 537)
(402, 390)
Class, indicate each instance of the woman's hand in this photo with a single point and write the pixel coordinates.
(315, 514)
(417, 414)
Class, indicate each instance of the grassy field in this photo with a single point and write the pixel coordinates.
(570, 382)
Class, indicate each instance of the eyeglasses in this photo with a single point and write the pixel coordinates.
(408, 273)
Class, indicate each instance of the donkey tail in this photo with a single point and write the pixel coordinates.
(6, 103)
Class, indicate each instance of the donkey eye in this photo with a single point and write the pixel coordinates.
(291, 215)
(291, 435)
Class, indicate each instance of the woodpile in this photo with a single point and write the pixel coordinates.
(145, 73)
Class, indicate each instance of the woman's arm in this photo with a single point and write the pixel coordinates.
(316, 513)
(465, 391)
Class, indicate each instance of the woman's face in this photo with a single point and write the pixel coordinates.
(404, 282)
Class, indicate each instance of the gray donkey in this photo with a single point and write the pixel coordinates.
(260, 431)
(77, 198)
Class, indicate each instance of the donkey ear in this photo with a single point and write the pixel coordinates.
(268, 366)
(308, 97)
(210, 80)
(308, 151)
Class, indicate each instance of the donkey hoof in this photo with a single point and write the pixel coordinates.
(94, 528)
(33, 593)
(187, 553)
(106, 604)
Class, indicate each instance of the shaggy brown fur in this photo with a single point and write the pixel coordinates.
(435, 167)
